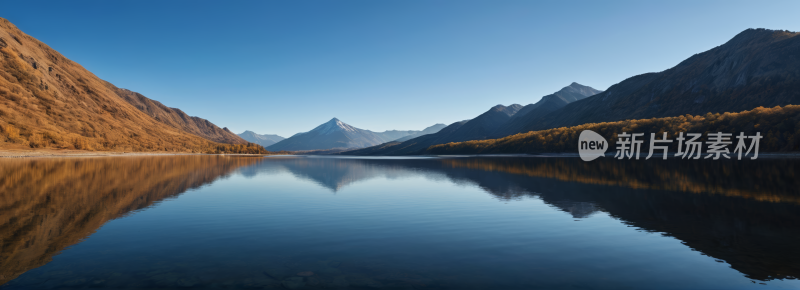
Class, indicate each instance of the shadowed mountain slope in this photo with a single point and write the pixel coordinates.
(758, 67)
(529, 114)
(482, 126)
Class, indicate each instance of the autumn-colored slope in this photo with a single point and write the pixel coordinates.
(780, 127)
(50, 204)
(47, 100)
(177, 118)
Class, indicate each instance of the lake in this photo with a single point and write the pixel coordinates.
(226, 222)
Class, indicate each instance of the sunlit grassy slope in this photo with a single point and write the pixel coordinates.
(49, 101)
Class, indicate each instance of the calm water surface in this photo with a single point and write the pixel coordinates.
(211, 222)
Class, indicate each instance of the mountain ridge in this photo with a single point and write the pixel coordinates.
(408, 147)
(336, 134)
(429, 130)
(549, 103)
(757, 67)
(482, 127)
(177, 118)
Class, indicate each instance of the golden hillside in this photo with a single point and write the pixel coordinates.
(779, 126)
(49, 101)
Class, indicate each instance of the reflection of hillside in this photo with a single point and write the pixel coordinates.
(758, 239)
(765, 180)
(745, 213)
(49, 204)
(753, 229)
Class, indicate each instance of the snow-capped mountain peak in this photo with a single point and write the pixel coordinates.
(334, 125)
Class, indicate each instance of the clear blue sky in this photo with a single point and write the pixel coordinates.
(284, 67)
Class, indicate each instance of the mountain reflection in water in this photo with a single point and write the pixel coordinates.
(48, 204)
(745, 213)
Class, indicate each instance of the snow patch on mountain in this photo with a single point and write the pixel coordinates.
(334, 125)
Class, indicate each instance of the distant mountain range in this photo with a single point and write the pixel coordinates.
(263, 140)
(758, 67)
(337, 134)
(488, 125)
(426, 131)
